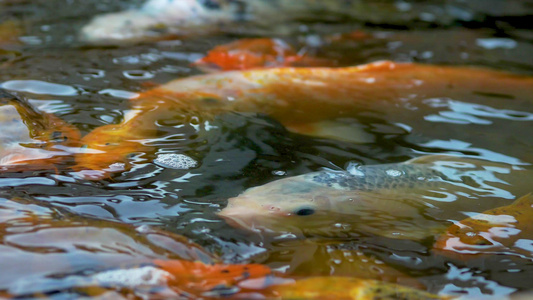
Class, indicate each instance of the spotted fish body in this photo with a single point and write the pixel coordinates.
(377, 177)
(413, 199)
(160, 18)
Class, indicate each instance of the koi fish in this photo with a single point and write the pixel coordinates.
(32, 139)
(197, 278)
(157, 19)
(305, 100)
(501, 229)
(347, 288)
(410, 200)
(247, 54)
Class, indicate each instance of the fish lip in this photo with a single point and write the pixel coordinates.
(236, 220)
(232, 220)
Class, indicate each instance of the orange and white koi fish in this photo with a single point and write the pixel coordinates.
(502, 229)
(305, 100)
(30, 139)
(158, 19)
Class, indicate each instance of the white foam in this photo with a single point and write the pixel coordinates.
(175, 161)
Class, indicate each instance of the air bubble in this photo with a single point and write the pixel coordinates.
(393, 172)
(175, 161)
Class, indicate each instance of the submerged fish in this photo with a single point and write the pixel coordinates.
(247, 54)
(326, 257)
(309, 101)
(163, 18)
(346, 288)
(413, 200)
(30, 139)
(499, 230)
(250, 53)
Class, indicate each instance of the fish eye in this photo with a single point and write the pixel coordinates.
(307, 211)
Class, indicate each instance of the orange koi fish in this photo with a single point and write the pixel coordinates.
(247, 54)
(302, 99)
(507, 228)
(30, 139)
(196, 278)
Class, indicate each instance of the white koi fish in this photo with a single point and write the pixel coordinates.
(159, 18)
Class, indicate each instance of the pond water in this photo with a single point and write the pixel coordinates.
(89, 86)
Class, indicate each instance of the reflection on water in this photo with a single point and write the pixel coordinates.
(184, 173)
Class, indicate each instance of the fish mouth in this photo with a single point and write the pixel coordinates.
(245, 218)
(235, 218)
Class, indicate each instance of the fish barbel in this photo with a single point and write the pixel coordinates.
(412, 200)
(157, 19)
(305, 99)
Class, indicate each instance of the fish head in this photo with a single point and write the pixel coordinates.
(328, 204)
(282, 205)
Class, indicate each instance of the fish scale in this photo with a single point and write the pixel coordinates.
(370, 178)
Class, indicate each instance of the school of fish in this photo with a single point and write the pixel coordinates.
(471, 206)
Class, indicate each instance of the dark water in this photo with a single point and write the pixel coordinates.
(89, 86)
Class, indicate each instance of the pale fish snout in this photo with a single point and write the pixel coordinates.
(241, 217)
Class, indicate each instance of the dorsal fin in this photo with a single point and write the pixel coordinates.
(431, 158)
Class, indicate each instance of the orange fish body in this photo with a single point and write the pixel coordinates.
(502, 229)
(247, 54)
(299, 96)
(196, 277)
